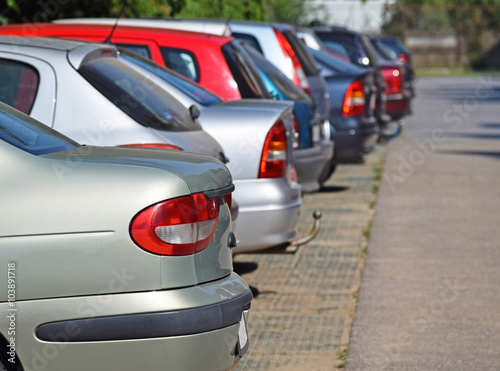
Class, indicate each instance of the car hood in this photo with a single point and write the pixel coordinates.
(190, 167)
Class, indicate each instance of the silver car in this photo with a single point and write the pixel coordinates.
(269, 201)
(83, 91)
(114, 258)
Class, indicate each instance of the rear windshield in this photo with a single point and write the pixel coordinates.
(306, 61)
(29, 135)
(250, 85)
(334, 65)
(275, 78)
(137, 96)
(384, 51)
(197, 93)
(348, 43)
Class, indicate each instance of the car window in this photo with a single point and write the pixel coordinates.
(306, 61)
(138, 97)
(29, 135)
(277, 83)
(333, 66)
(197, 93)
(249, 39)
(250, 85)
(138, 49)
(19, 85)
(384, 51)
(181, 61)
(337, 47)
(348, 42)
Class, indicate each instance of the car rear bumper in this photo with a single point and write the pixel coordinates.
(398, 106)
(354, 142)
(309, 163)
(192, 328)
(269, 211)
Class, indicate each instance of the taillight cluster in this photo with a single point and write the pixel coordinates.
(393, 80)
(274, 156)
(354, 100)
(296, 71)
(179, 226)
(153, 145)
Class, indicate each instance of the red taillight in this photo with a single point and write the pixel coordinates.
(295, 68)
(153, 145)
(179, 226)
(296, 132)
(393, 80)
(274, 156)
(403, 58)
(354, 100)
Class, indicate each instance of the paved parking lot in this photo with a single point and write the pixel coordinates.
(304, 302)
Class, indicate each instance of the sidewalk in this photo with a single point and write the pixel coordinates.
(430, 292)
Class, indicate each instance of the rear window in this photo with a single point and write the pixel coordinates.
(19, 85)
(306, 61)
(249, 39)
(331, 66)
(29, 135)
(384, 51)
(275, 79)
(142, 50)
(137, 96)
(181, 61)
(348, 43)
(197, 93)
(250, 85)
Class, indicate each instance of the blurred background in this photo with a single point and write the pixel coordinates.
(441, 34)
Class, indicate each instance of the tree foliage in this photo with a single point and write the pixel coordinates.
(21, 11)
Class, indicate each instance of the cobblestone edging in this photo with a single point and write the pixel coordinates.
(304, 303)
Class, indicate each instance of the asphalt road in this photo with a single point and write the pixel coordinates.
(430, 292)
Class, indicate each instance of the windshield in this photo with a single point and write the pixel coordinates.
(197, 93)
(137, 96)
(29, 135)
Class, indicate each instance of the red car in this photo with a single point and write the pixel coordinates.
(217, 63)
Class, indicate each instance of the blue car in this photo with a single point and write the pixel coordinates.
(308, 125)
(352, 90)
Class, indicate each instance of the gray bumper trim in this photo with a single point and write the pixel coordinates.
(149, 325)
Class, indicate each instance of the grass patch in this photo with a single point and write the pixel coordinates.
(367, 229)
(341, 357)
(364, 251)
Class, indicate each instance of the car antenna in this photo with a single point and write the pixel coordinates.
(108, 39)
(226, 27)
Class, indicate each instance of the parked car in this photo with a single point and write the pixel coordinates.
(357, 47)
(257, 136)
(352, 93)
(389, 74)
(121, 261)
(217, 63)
(306, 163)
(261, 147)
(310, 139)
(309, 37)
(277, 42)
(403, 55)
(85, 92)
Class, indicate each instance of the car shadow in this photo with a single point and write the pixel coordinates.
(470, 153)
(333, 189)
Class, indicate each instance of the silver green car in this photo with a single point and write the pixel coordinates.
(114, 258)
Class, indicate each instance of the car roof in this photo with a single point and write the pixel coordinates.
(105, 30)
(40, 42)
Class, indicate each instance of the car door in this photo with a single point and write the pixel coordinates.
(28, 84)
